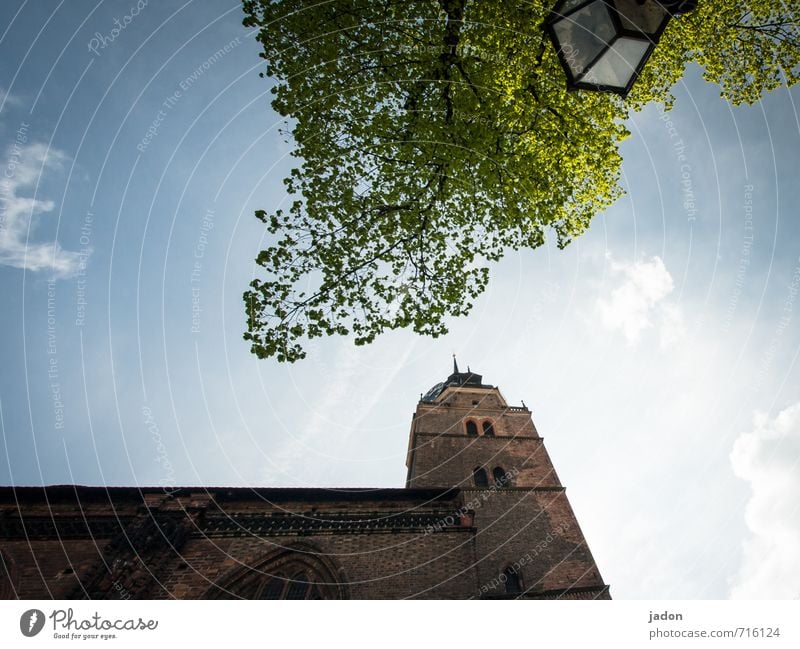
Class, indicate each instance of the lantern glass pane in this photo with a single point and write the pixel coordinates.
(584, 34)
(618, 65)
(644, 18)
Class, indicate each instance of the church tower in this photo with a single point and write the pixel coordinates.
(527, 540)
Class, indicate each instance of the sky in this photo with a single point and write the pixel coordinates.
(658, 352)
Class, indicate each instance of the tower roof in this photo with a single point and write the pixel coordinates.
(456, 379)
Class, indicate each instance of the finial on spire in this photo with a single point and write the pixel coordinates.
(455, 365)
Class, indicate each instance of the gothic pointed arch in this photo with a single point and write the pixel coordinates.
(296, 571)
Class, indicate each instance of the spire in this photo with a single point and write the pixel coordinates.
(463, 378)
(457, 379)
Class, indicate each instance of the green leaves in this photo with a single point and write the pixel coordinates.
(747, 47)
(432, 138)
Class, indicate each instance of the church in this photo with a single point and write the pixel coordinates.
(483, 515)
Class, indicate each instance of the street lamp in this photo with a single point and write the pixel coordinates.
(604, 44)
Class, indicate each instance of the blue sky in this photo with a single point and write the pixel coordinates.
(658, 353)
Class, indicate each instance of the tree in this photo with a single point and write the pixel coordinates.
(747, 47)
(434, 136)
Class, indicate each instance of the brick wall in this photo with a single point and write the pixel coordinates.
(391, 549)
(373, 565)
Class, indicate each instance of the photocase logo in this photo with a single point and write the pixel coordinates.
(31, 622)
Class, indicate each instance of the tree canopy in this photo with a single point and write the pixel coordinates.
(434, 136)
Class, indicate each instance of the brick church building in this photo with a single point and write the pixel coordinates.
(483, 515)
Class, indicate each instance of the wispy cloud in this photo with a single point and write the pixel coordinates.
(639, 302)
(21, 167)
(769, 459)
(8, 100)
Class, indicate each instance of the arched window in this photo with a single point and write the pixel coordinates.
(488, 429)
(472, 429)
(479, 476)
(297, 572)
(512, 581)
(500, 477)
(299, 586)
(273, 589)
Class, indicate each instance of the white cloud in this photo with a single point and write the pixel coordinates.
(632, 307)
(769, 459)
(21, 167)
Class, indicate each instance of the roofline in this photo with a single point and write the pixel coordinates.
(60, 493)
